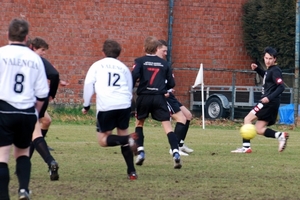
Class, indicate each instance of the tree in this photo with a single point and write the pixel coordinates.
(270, 23)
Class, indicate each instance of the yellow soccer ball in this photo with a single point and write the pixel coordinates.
(248, 131)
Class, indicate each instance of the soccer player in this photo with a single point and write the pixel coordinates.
(179, 113)
(111, 80)
(155, 78)
(24, 87)
(265, 112)
(39, 46)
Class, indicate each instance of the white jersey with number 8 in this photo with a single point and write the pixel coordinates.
(22, 76)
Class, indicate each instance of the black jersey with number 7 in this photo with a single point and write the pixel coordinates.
(154, 74)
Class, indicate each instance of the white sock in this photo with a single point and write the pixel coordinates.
(277, 134)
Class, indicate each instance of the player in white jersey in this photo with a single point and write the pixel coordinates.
(111, 80)
(23, 89)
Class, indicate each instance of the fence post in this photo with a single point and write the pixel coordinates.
(233, 95)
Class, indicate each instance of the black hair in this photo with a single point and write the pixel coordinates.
(111, 48)
(271, 51)
(163, 42)
(38, 43)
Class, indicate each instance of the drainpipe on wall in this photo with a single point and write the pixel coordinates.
(170, 31)
(297, 40)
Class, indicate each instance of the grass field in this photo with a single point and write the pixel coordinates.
(88, 171)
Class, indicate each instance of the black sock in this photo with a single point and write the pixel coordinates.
(270, 133)
(187, 125)
(31, 149)
(246, 143)
(172, 140)
(128, 156)
(44, 132)
(23, 169)
(115, 140)
(140, 140)
(4, 181)
(179, 131)
(42, 147)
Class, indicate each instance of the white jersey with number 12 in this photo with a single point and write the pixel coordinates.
(111, 80)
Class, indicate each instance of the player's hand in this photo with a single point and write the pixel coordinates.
(253, 66)
(63, 83)
(50, 98)
(167, 95)
(85, 110)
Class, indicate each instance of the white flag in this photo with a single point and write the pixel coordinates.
(199, 81)
(199, 78)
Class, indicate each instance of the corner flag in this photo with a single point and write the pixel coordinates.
(199, 78)
(199, 81)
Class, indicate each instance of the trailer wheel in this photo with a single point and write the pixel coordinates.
(214, 108)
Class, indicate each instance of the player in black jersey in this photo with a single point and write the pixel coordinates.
(39, 46)
(152, 72)
(179, 112)
(265, 112)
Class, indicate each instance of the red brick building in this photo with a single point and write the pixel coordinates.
(207, 32)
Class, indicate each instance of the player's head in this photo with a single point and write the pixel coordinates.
(111, 48)
(270, 55)
(18, 30)
(39, 46)
(162, 49)
(151, 44)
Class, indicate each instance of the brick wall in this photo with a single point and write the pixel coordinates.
(207, 32)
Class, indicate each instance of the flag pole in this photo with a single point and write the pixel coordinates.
(202, 99)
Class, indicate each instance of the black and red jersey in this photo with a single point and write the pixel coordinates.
(272, 82)
(52, 75)
(154, 74)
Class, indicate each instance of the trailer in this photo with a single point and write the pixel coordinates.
(226, 101)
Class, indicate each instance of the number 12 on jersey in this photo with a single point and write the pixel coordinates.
(113, 79)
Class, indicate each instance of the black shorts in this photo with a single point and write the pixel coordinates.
(154, 104)
(173, 104)
(16, 126)
(44, 108)
(267, 112)
(108, 120)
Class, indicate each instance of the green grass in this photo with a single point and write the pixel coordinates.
(88, 171)
(71, 114)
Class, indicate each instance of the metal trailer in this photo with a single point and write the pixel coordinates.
(218, 99)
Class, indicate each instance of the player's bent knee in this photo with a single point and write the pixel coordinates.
(45, 122)
(102, 139)
(260, 131)
(179, 117)
(102, 143)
